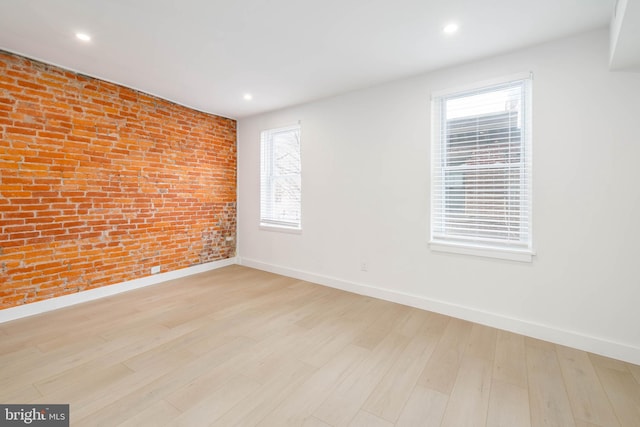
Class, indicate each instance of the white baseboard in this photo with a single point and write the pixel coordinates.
(26, 310)
(541, 331)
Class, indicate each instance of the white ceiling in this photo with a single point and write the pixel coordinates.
(206, 54)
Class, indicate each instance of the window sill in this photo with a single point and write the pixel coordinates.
(280, 228)
(521, 255)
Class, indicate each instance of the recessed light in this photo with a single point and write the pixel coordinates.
(248, 97)
(84, 37)
(450, 28)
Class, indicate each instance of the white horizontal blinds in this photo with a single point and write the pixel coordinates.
(481, 170)
(280, 186)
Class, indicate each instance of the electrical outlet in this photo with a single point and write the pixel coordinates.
(155, 269)
(363, 266)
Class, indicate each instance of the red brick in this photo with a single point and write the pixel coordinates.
(98, 194)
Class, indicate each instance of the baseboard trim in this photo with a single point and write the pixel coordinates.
(39, 307)
(541, 331)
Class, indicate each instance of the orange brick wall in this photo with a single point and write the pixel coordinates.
(99, 182)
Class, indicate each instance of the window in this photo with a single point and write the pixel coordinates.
(280, 180)
(481, 171)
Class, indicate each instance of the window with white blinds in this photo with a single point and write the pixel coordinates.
(280, 178)
(481, 171)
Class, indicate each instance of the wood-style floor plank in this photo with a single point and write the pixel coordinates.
(510, 361)
(424, 407)
(547, 392)
(508, 405)
(341, 406)
(635, 371)
(262, 401)
(314, 422)
(366, 419)
(580, 423)
(159, 414)
(309, 395)
(242, 347)
(392, 392)
(441, 371)
(588, 399)
(482, 342)
(469, 400)
(216, 402)
(621, 388)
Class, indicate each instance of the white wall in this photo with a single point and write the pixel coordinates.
(366, 158)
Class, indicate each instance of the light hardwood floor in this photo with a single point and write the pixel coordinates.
(240, 347)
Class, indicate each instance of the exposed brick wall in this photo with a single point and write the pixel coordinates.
(99, 182)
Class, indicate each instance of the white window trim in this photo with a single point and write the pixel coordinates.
(483, 251)
(268, 225)
(474, 248)
(280, 228)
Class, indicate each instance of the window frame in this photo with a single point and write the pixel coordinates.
(268, 178)
(465, 244)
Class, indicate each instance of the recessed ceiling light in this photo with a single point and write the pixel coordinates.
(248, 96)
(450, 28)
(84, 37)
